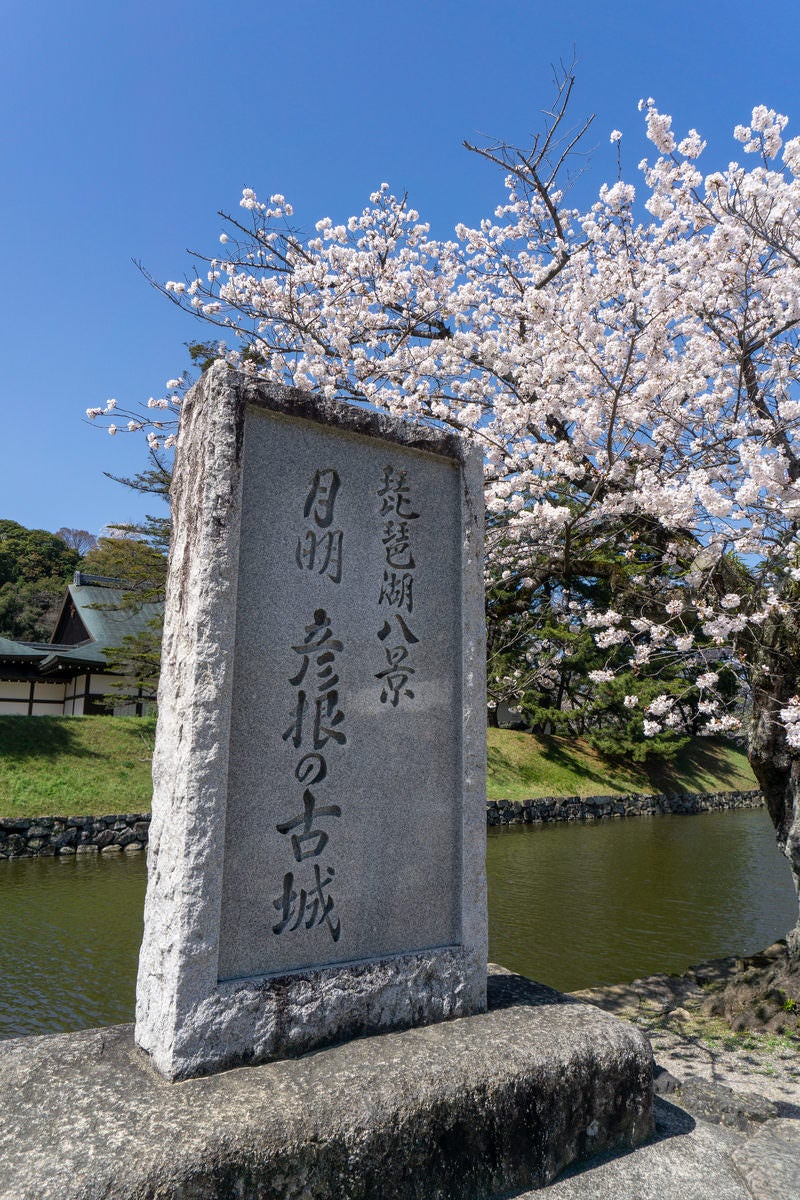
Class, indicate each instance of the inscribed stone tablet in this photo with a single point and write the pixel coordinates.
(343, 829)
(318, 814)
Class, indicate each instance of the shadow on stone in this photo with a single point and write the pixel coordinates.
(670, 1122)
(510, 991)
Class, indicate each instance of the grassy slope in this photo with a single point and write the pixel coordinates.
(71, 766)
(93, 765)
(521, 765)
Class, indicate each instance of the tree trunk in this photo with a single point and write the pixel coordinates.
(777, 768)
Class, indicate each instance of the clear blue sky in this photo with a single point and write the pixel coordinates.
(127, 126)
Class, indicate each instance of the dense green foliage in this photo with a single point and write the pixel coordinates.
(34, 567)
(142, 567)
(32, 554)
(550, 665)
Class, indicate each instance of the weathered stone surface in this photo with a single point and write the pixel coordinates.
(462, 1110)
(589, 808)
(770, 1161)
(66, 837)
(241, 959)
(686, 1160)
(396, 841)
(720, 1104)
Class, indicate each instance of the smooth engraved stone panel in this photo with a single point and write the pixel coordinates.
(343, 827)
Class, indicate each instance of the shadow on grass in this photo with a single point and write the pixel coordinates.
(701, 766)
(549, 753)
(497, 763)
(559, 756)
(707, 758)
(40, 737)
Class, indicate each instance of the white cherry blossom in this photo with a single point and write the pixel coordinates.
(629, 370)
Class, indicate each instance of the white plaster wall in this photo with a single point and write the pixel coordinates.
(12, 690)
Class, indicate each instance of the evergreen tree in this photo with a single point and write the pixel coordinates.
(35, 566)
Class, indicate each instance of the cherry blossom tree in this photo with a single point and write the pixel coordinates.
(630, 373)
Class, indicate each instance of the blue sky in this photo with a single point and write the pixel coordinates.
(126, 127)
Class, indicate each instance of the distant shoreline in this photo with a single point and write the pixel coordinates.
(546, 809)
(67, 836)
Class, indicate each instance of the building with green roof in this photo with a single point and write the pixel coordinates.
(70, 675)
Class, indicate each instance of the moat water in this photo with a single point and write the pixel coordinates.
(569, 905)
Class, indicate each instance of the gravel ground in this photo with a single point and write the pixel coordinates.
(732, 1022)
(726, 1041)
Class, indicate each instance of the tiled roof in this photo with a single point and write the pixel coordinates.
(98, 603)
(16, 651)
(100, 609)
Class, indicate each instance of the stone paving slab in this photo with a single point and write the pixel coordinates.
(475, 1107)
(689, 1160)
(715, 1102)
(770, 1161)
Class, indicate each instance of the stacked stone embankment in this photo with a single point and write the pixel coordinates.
(594, 808)
(31, 837)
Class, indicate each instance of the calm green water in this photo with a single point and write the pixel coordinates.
(70, 930)
(570, 905)
(579, 905)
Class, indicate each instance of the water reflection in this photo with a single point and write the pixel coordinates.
(570, 905)
(71, 929)
(577, 905)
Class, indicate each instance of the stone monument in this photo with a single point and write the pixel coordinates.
(316, 865)
(316, 861)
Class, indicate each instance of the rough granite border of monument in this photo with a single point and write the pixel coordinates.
(186, 1020)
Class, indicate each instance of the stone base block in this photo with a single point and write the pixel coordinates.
(466, 1109)
(258, 1020)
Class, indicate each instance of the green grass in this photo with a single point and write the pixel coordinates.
(64, 766)
(75, 766)
(522, 765)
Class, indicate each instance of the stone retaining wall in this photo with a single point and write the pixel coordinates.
(22, 837)
(593, 808)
